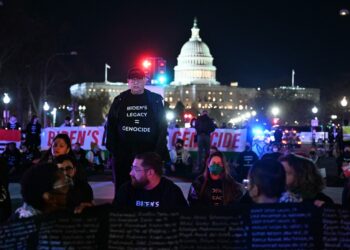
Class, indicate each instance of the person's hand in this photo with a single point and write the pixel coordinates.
(82, 206)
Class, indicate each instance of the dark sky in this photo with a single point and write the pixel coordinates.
(256, 43)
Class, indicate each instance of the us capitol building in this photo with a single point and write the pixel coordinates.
(195, 85)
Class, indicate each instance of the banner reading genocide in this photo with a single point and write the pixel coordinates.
(226, 140)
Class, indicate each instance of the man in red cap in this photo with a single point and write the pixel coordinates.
(136, 124)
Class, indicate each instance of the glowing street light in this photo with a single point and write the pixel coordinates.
(46, 108)
(6, 99)
(6, 115)
(54, 113)
(344, 102)
(343, 12)
(314, 110)
(275, 111)
(170, 115)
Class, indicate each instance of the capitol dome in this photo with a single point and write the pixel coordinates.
(195, 63)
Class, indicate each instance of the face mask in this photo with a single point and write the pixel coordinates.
(215, 169)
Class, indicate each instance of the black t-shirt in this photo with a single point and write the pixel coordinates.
(216, 193)
(166, 195)
(136, 123)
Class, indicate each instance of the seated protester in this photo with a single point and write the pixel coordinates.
(95, 157)
(304, 180)
(341, 160)
(245, 161)
(274, 155)
(147, 188)
(215, 187)
(12, 157)
(80, 194)
(61, 145)
(80, 155)
(29, 155)
(44, 190)
(267, 181)
(181, 162)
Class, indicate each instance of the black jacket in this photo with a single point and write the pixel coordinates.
(156, 104)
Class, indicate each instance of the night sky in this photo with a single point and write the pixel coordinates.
(256, 43)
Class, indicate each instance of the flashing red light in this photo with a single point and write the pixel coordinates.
(146, 64)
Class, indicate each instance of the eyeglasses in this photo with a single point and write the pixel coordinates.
(134, 168)
(66, 169)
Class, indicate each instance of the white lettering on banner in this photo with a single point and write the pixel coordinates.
(136, 129)
(226, 140)
(144, 107)
(136, 114)
(83, 135)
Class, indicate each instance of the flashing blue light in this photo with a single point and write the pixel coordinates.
(162, 79)
(257, 131)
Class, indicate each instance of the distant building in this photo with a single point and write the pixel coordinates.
(195, 85)
(294, 93)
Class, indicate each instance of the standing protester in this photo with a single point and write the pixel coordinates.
(147, 188)
(33, 131)
(204, 126)
(67, 122)
(13, 124)
(136, 124)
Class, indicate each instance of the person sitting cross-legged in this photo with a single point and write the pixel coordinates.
(147, 188)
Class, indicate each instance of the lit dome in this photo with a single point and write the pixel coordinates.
(195, 63)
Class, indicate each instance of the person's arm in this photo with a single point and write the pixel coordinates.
(111, 129)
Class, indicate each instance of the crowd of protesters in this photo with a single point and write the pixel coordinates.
(56, 180)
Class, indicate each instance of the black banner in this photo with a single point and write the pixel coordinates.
(273, 226)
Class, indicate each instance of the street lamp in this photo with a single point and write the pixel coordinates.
(314, 110)
(344, 102)
(275, 111)
(46, 108)
(6, 115)
(54, 113)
